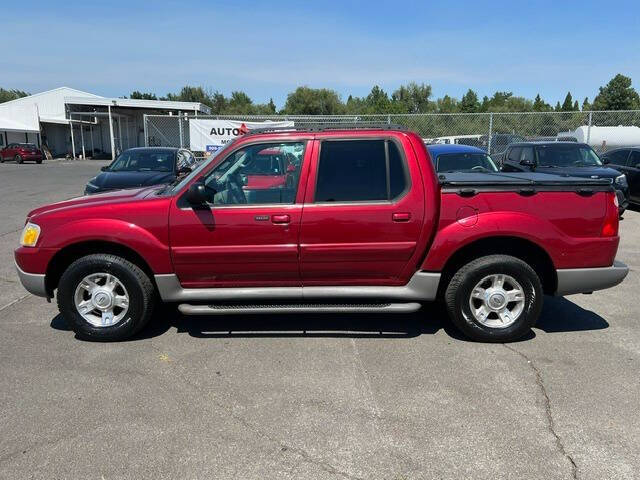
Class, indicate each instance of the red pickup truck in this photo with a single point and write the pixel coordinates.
(367, 226)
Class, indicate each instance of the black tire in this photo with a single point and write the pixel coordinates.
(138, 286)
(38, 162)
(459, 290)
(18, 159)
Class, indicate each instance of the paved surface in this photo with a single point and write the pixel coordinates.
(313, 397)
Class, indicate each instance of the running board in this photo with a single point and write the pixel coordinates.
(188, 309)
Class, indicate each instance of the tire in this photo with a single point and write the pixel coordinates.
(481, 278)
(38, 162)
(18, 159)
(132, 284)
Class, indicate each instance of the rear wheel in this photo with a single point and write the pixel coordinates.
(105, 297)
(497, 298)
(18, 159)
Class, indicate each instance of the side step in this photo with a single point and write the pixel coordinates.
(188, 309)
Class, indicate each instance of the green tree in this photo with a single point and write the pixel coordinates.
(12, 94)
(540, 105)
(218, 103)
(377, 101)
(143, 95)
(586, 105)
(576, 107)
(239, 104)
(558, 106)
(447, 104)
(567, 105)
(618, 94)
(469, 102)
(313, 101)
(412, 98)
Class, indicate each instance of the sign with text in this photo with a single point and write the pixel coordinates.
(209, 135)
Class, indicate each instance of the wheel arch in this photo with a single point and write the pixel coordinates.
(67, 255)
(526, 250)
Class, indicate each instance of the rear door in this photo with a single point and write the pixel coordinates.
(633, 175)
(243, 236)
(363, 212)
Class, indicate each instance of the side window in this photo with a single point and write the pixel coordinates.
(514, 154)
(634, 159)
(619, 157)
(255, 174)
(527, 154)
(359, 171)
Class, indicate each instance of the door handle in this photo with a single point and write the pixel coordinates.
(280, 219)
(401, 217)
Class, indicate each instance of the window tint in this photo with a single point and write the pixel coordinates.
(254, 175)
(567, 156)
(514, 154)
(619, 157)
(527, 154)
(634, 160)
(397, 175)
(461, 162)
(141, 160)
(359, 170)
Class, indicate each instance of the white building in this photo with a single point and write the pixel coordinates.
(69, 121)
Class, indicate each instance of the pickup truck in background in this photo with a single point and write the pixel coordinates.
(368, 226)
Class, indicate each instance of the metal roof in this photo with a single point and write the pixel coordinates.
(135, 103)
(9, 125)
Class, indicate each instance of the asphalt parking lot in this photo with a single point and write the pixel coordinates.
(312, 396)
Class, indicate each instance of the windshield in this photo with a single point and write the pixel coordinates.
(567, 156)
(28, 145)
(465, 162)
(144, 161)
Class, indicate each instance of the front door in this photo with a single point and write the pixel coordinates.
(363, 213)
(633, 175)
(247, 234)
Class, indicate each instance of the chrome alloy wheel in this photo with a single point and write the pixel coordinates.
(101, 299)
(497, 301)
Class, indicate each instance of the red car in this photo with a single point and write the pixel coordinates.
(21, 152)
(367, 226)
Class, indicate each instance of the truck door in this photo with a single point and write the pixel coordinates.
(246, 234)
(363, 212)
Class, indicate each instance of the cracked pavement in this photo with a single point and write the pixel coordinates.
(375, 397)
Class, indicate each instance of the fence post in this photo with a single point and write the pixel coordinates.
(589, 127)
(490, 132)
(146, 131)
(180, 127)
(388, 119)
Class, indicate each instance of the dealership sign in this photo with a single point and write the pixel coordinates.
(209, 135)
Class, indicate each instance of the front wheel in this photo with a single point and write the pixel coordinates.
(105, 297)
(497, 298)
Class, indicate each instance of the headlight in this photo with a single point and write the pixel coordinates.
(30, 235)
(621, 180)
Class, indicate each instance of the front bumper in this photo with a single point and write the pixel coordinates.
(32, 282)
(587, 280)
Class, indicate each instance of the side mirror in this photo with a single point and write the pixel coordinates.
(528, 163)
(184, 171)
(197, 195)
(105, 168)
(291, 168)
(606, 161)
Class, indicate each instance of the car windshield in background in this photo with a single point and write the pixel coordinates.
(31, 146)
(567, 156)
(465, 162)
(144, 161)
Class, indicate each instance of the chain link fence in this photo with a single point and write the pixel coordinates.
(603, 130)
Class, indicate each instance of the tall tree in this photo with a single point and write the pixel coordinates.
(469, 102)
(540, 105)
(313, 101)
(618, 94)
(412, 98)
(143, 95)
(586, 105)
(567, 105)
(576, 107)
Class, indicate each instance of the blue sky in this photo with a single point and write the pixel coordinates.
(269, 48)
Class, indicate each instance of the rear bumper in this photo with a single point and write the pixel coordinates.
(586, 280)
(33, 282)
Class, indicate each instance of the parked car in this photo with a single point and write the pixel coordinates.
(564, 158)
(627, 160)
(21, 152)
(368, 227)
(460, 158)
(137, 167)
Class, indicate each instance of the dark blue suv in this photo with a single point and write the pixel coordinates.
(565, 159)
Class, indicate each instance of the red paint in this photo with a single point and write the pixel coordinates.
(377, 243)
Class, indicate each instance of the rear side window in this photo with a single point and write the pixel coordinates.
(514, 154)
(619, 157)
(359, 171)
